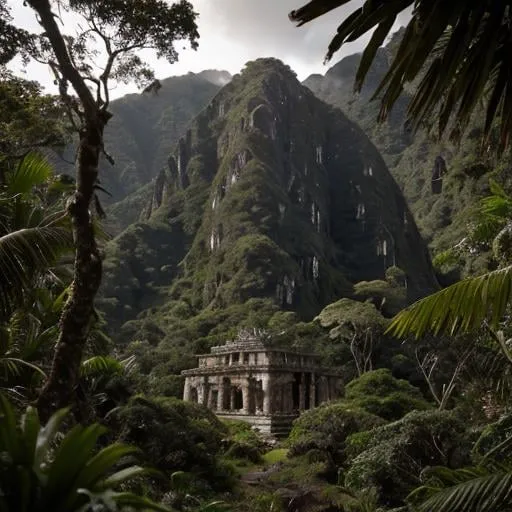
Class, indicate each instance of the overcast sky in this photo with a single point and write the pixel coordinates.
(235, 31)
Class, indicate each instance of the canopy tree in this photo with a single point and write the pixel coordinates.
(29, 119)
(459, 50)
(116, 31)
(359, 324)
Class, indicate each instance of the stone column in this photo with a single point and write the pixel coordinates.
(245, 397)
(201, 393)
(302, 392)
(211, 404)
(266, 394)
(220, 396)
(186, 390)
(232, 398)
(312, 392)
(289, 398)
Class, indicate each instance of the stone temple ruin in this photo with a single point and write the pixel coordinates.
(247, 379)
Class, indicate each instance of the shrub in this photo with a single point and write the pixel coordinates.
(246, 451)
(173, 435)
(391, 457)
(243, 442)
(323, 431)
(379, 393)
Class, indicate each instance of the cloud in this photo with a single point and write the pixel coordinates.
(233, 32)
(263, 29)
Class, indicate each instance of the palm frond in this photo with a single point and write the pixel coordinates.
(12, 366)
(315, 9)
(465, 490)
(32, 171)
(101, 365)
(443, 44)
(25, 252)
(461, 307)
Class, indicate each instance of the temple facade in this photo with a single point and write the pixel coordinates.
(267, 387)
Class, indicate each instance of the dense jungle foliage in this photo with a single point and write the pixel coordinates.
(248, 202)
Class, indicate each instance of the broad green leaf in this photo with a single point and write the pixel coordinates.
(30, 427)
(123, 475)
(46, 437)
(71, 456)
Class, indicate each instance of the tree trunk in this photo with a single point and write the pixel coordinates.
(76, 317)
(79, 309)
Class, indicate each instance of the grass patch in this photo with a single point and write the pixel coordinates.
(274, 456)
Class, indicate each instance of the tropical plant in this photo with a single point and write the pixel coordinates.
(464, 490)
(23, 343)
(41, 469)
(32, 236)
(458, 50)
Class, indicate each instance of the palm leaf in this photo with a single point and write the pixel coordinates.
(469, 490)
(100, 365)
(13, 366)
(25, 252)
(32, 171)
(460, 51)
(461, 307)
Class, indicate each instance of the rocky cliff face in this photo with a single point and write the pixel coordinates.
(270, 194)
(142, 132)
(442, 209)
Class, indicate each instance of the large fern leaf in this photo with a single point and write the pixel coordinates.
(461, 307)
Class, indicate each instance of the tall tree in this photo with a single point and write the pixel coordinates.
(460, 51)
(116, 30)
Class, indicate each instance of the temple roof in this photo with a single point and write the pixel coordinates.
(252, 341)
(249, 342)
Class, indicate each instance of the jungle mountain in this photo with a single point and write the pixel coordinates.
(273, 200)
